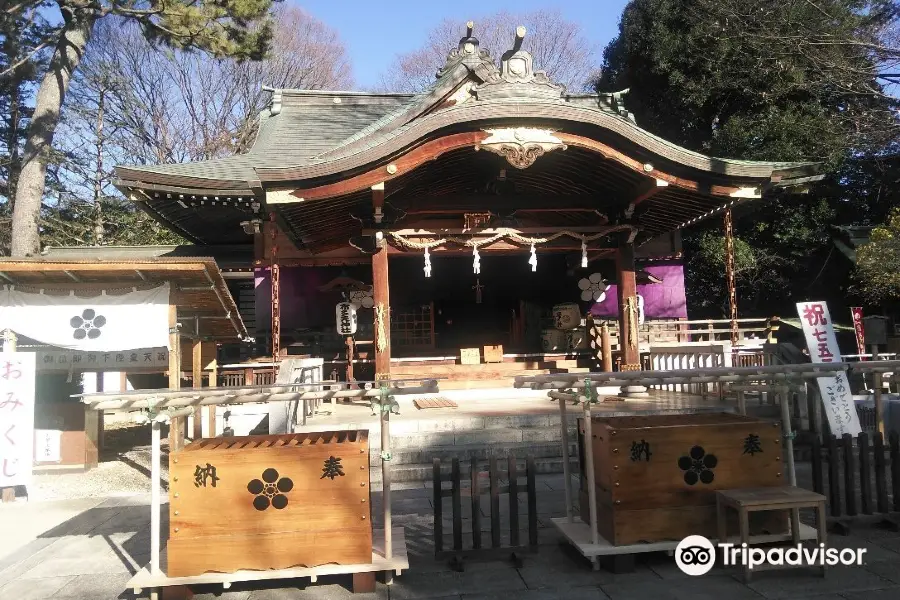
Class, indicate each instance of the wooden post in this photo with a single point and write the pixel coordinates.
(628, 309)
(729, 276)
(605, 349)
(350, 353)
(382, 297)
(213, 382)
(879, 401)
(197, 383)
(176, 433)
(275, 279)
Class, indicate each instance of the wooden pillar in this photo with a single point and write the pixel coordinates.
(729, 277)
(628, 308)
(382, 297)
(275, 279)
(605, 349)
(197, 383)
(381, 292)
(213, 382)
(176, 431)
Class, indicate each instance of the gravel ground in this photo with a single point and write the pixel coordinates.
(124, 469)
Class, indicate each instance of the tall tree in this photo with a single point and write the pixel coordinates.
(559, 47)
(878, 262)
(759, 80)
(238, 28)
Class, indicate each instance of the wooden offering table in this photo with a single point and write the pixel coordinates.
(787, 498)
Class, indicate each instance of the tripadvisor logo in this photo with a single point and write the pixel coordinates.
(696, 555)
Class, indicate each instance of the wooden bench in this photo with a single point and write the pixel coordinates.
(786, 498)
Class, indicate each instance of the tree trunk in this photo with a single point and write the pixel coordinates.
(73, 39)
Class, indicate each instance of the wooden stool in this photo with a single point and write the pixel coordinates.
(750, 500)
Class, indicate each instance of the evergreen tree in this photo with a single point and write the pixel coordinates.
(786, 81)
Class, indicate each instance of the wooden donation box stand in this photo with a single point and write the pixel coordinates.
(656, 476)
(270, 502)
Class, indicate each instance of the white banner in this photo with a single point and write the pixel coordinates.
(17, 375)
(105, 323)
(835, 391)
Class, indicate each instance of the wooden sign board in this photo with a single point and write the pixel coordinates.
(470, 356)
(493, 354)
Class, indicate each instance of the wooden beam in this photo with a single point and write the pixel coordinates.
(646, 190)
(197, 383)
(488, 232)
(611, 153)
(409, 161)
(38, 266)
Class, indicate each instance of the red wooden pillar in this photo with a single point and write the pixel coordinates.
(628, 308)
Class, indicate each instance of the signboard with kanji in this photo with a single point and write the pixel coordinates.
(822, 344)
(62, 361)
(17, 376)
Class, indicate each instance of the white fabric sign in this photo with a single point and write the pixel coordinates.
(47, 445)
(105, 323)
(17, 376)
(835, 391)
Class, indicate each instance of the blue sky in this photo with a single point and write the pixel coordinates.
(376, 31)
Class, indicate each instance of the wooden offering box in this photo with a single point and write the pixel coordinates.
(269, 502)
(656, 476)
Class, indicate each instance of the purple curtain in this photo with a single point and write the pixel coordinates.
(664, 300)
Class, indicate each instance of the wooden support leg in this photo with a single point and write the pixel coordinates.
(177, 592)
(745, 536)
(822, 526)
(363, 583)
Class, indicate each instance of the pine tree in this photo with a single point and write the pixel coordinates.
(235, 28)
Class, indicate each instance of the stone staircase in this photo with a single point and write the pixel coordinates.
(485, 375)
(415, 444)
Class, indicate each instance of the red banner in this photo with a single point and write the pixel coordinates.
(857, 313)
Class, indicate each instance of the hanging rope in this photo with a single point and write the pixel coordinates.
(505, 233)
(380, 335)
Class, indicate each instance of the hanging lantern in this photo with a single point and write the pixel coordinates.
(533, 260)
(427, 263)
(584, 262)
(476, 260)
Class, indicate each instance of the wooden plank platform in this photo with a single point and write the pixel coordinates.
(424, 403)
(579, 535)
(399, 562)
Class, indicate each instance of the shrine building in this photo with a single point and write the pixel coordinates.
(451, 220)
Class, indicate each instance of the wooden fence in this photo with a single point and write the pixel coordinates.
(848, 470)
(458, 551)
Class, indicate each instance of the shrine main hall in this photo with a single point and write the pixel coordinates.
(495, 210)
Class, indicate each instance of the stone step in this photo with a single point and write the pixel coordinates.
(425, 472)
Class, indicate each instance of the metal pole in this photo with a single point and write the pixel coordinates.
(592, 492)
(385, 422)
(564, 430)
(155, 455)
(788, 433)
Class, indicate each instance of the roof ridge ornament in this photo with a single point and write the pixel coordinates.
(471, 55)
(521, 146)
(517, 77)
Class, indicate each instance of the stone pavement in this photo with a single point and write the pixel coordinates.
(92, 555)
